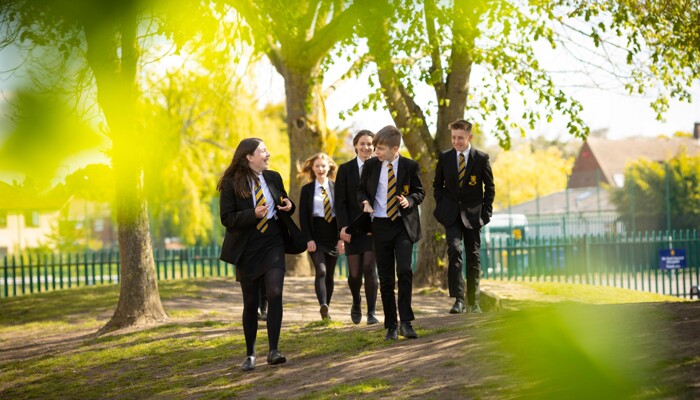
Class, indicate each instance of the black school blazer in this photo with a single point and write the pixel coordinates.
(474, 202)
(306, 208)
(238, 217)
(407, 182)
(347, 181)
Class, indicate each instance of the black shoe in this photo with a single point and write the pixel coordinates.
(406, 330)
(458, 307)
(392, 334)
(274, 357)
(262, 316)
(356, 314)
(324, 312)
(475, 309)
(371, 319)
(248, 364)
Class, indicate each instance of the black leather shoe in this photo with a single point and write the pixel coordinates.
(274, 357)
(371, 319)
(406, 330)
(356, 314)
(458, 307)
(324, 312)
(248, 364)
(392, 334)
(475, 309)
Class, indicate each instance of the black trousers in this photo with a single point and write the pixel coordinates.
(472, 243)
(393, 249)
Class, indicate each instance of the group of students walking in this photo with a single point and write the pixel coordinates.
(367, 209)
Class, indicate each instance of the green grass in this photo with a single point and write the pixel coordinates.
(368, 388)
(590, 294)
(586, 349)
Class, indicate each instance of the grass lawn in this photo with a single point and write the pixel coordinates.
(547, 351)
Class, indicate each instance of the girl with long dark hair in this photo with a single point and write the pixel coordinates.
(252, 199)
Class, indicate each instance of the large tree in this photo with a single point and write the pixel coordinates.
(656, 195)
(439, 45)
(659, 41)
(104, 36)
(297, 36)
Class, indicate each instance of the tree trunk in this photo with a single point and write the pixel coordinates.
(139, 300)
(432, 250)
(305, 130)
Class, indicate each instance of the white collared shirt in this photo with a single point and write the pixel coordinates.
(380, 198)
(269, 200)
(318, 199)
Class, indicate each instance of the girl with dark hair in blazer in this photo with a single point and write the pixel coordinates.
(252, 199)
(317, 220)
(359, 249)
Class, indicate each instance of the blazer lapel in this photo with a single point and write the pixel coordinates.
(471, 162)
(272, 185)
(354, 173)
(401, 177)
(374, 178)
(451, 177)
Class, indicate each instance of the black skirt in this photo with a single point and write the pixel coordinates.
(263, 252)
(325, 235)
(359, 243)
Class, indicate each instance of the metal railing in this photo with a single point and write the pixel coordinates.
(621, 260)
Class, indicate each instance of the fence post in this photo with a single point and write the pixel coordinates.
(7, 289)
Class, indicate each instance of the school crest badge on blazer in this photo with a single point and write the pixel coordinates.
(472, 180)
(405, 190)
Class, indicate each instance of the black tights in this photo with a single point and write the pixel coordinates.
(274, 281)
(324, 264)
(359, 265)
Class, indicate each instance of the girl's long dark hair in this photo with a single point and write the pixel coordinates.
(238, 172)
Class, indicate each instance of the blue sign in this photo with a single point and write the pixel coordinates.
(671, 258)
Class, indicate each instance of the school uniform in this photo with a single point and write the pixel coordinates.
(312, 218)
(393, 231)
(253, 252)
(346, 207)
(463, 205)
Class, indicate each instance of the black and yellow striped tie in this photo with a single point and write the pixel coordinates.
(462, 169)
(260, 201)
(392, 205)
(326, 205)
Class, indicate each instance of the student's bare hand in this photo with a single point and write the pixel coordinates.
(341, 247)
(287, 205)
(344, 235)
(367, 207)
(260, 211)
(402, 201)
(310, 246)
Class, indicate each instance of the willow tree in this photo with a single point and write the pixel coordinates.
(438, 46)
(297, 36)
(102, 38)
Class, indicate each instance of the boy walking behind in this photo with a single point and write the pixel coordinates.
(464, 193)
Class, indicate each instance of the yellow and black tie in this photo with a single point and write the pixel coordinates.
(462, 169)
(392, 205)
(260, 201)
(326, 205)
